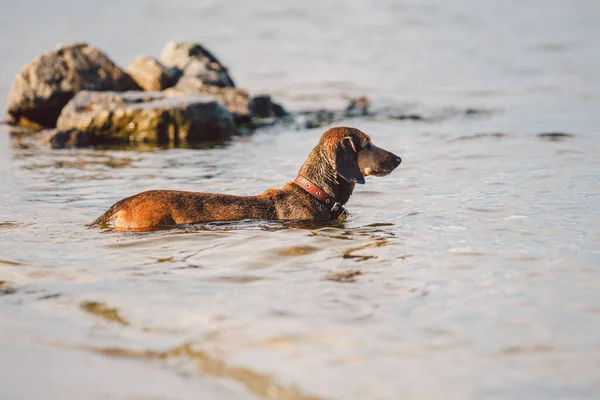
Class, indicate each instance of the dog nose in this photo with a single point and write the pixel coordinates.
(397, 160)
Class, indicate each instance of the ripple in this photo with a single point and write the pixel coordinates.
(481, 210)
(259, 384)
(343, 276)
(10, 262)
(295, 251)
(380, 224)
(103, 311)
(535, 349)
(50, 296)
(486, 135)
(11, 224)
(555, 136)
(237, 278)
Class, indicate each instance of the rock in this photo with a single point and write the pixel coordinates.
(147, 117)
(358, 107)
(150, 74)
(316, 119)
(195, 60)
(44, 85)
(264, 107)
(204, 74)
(58, 139)
(235, 100)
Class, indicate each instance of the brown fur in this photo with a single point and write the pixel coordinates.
(342, 158)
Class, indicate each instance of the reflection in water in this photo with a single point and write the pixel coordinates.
(258, 384)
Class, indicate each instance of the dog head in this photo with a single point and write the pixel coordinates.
(354, 156)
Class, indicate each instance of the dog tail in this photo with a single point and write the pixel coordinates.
(107, 216)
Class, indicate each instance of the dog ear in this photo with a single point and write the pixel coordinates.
(346, 161)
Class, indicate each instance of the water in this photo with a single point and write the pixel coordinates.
(472, 271)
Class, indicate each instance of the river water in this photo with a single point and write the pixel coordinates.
(472, 271)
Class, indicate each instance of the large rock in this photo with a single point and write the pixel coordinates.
(194, 60)
(147, 117)
(44, 85)
(151, 74)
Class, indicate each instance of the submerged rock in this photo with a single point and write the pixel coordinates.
(44, 85)
(150, 74)
(194, 60)
(147, 117)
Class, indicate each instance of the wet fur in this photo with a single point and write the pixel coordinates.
(340, 160)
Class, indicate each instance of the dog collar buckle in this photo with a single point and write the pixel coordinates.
(337, 210)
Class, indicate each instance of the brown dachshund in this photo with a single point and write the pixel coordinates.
(342, 158)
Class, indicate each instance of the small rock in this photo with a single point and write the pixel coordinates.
(150, 74)
(264, 107)
(195, 60)
(358, 107)
(316, 119)
(147, 117)
(44, 85)
(69, 138)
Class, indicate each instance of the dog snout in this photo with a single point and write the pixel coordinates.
(377, 161)
(391, 161)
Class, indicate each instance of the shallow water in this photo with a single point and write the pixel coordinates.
(472, 271)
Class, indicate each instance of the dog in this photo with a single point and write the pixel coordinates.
(341, 159)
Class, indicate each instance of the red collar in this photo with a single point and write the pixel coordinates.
(332, 205)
